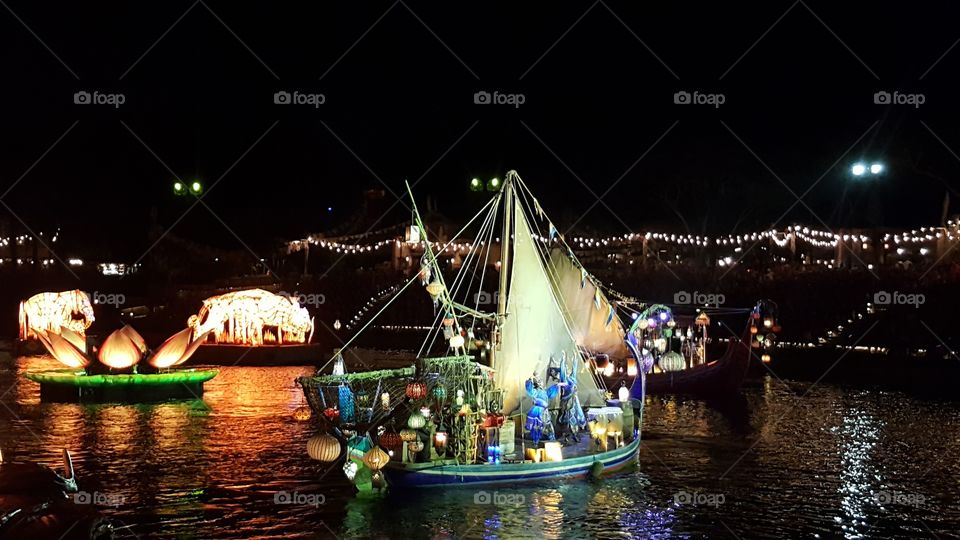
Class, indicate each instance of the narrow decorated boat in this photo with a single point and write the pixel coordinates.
(493, 397)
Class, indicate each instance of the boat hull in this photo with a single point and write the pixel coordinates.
(402, 476)
(716, 379)
(66, 386)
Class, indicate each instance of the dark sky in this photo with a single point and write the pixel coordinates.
(399, 79)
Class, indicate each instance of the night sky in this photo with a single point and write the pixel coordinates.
(598, 82)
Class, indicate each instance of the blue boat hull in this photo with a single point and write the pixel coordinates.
(400, 476)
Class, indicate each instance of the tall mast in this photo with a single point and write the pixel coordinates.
(505, 245)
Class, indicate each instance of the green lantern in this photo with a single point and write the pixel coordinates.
(439, 392)
(668, 332)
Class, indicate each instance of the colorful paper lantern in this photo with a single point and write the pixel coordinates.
(439, 392)
(390, 440)
(302, 413)
(702, 319)
(408, 435)
(346, 404)
(323, 447)
(376, 458)
(672, 361)
(416, 390)
(416, 421)
(456, 341)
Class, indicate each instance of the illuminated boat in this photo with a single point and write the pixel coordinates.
(39, 502)
(691, 373)
(254, 327)
(49, 312)
(123, 371)
(477, 413)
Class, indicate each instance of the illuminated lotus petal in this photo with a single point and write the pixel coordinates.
(135, 337)
(172, 350)
(45, 341)
(66, 353)
(118, 351)
(192, 348)
(74, 338)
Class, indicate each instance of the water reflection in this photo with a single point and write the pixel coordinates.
(790, 460)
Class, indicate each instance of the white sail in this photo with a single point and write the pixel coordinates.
(535, 328)
(589, 325)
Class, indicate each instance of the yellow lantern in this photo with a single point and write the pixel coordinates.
(631, 367)
(302, 413)
(376, 458)
(702, 319)
(323, 447)
(435, 289)
(408, 435)
(765, 358)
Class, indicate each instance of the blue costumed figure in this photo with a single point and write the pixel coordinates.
(539, 422)
(571, 414)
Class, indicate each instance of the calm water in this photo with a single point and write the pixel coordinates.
(791, 460)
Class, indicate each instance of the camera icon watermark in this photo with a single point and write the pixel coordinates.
(299, 499)
(698, 298)
(698, 98)
(897, 98)
(111, 299)
(98, 98)
(497, 498)
(297, 98)
(899, 498)
(896, 298)
(98, 498)
(496, 98)
(696, 498)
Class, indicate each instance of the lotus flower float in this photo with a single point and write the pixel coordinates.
(122, 350)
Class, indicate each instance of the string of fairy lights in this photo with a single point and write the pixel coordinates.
(820, 239)
(371, 303)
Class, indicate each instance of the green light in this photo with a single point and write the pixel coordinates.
(177, 187)
(196, 187)
(493, 184)
(476, 185)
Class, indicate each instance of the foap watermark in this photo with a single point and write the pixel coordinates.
(299, 499)
(497, 98)
(898, 98)
(699, 499)
(899, 498)
(697, 298)
(98, 98)
(109, 299)
(299, 98)
(698, 98)
(497, 498)
(98, 498)
(306, 299)
(897, 298)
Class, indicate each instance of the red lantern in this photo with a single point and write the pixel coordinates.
(391, 440)
(330, 413)
(416, 390)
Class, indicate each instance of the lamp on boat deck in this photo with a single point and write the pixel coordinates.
(553, 451)
(440, 441)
